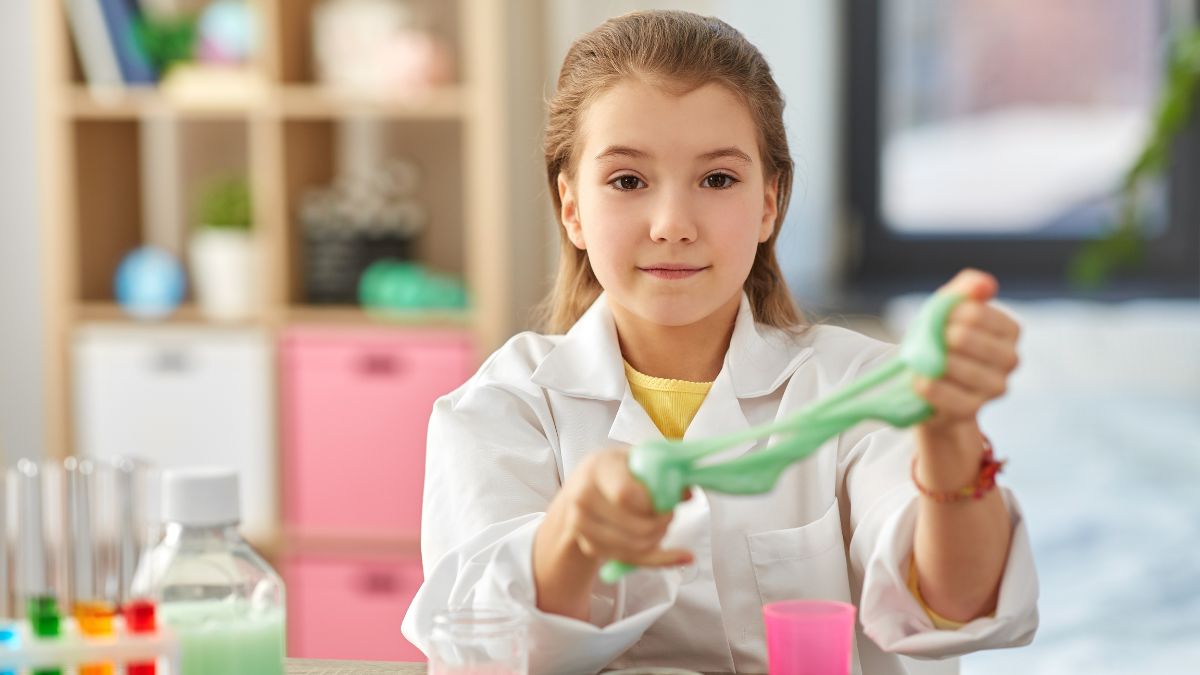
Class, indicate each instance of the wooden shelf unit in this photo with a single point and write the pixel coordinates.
(102, 151)
(293, 101)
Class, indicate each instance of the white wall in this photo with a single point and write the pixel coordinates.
(21, 354)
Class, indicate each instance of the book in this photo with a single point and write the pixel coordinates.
(120, 18)
(96, 52)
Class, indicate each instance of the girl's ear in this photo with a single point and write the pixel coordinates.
(569, 215)
(770, 209)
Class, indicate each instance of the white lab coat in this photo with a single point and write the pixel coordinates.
(838, 525)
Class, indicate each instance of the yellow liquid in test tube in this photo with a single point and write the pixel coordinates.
(95, 620)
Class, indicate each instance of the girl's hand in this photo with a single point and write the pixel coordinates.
(981, 353)
(602, 512)
(609, 514)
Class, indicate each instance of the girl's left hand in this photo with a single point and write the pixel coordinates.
(981, 353)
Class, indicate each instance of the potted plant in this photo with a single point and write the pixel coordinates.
(223, 252)
(1123, 247)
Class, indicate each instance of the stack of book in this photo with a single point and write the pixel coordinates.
(106, 39)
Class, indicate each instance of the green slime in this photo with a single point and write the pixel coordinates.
(667, 467)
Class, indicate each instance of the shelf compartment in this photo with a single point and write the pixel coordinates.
(294, 20)
(316, 152)
(138, 182)
(108, 213)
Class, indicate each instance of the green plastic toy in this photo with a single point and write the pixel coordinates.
(666, 467)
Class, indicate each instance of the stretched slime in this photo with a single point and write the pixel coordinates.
(666, 467)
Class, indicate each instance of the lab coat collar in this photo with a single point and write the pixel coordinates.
(587, 361)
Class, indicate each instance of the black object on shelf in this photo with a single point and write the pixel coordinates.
(360, 219)
(334, 260)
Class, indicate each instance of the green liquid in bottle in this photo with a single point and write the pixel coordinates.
(222, 638)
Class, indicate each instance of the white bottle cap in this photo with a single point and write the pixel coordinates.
(201, 496)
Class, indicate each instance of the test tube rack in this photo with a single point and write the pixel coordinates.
(22, 650)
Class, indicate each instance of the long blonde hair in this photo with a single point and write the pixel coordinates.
(679, 51)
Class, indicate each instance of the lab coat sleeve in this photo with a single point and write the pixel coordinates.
(490, 474)
(878, 493)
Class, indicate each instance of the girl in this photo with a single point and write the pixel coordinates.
(670, 174)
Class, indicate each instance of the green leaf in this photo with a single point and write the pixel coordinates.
(225, 204)
(1124, 246)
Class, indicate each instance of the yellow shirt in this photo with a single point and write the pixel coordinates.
(672, 404)
(939, 622)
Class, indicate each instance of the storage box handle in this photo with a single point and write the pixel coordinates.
(170, 360)
(377, 582)
(379, 365)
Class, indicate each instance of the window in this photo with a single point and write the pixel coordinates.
(994, 133)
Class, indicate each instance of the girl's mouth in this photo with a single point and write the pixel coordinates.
(672, 271)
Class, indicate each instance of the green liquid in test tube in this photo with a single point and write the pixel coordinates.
(46, 623)
(8, 640)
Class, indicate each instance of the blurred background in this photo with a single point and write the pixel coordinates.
(269, 233)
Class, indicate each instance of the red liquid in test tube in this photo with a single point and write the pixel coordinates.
(140, 620)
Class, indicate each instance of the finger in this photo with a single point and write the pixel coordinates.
(975, 376)
(982, 346)
(984, 317)
(949, 399)
(653, 528)
(662, 558)
(609, 541)
(596, 505)
(974, 284)
(620, 487)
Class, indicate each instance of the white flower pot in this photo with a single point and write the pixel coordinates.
(224, 270)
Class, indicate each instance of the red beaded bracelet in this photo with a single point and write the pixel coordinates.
(984, 483)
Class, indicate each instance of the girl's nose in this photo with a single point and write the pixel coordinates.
(673, 221)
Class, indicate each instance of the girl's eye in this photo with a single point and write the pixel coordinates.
(626, 183)
(720, 181)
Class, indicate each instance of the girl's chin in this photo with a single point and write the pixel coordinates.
(675, 311)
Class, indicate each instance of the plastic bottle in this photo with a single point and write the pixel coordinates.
(224, 602)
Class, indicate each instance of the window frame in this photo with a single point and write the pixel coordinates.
(880, 260)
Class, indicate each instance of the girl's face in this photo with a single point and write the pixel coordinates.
(669, 199)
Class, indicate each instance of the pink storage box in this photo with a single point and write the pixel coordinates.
(350, 608)
(356, 408)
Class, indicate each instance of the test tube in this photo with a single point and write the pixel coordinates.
(130, 527)
(31, 543)
(93, 614)
(9, 640)
(46, 623)
(41, 609)
(4, 572)
(80, 540)
(140, 620)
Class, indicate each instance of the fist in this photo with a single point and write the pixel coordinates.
(981, 354)
(610, 514)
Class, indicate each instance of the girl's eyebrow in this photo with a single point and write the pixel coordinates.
(621, 151)
(731, 152)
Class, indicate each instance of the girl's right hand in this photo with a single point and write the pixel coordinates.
(602, 512)
(609, 514)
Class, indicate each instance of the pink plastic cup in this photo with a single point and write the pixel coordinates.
(809, 637)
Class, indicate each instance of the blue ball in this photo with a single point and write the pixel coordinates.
(226, 31)
(150, 283)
